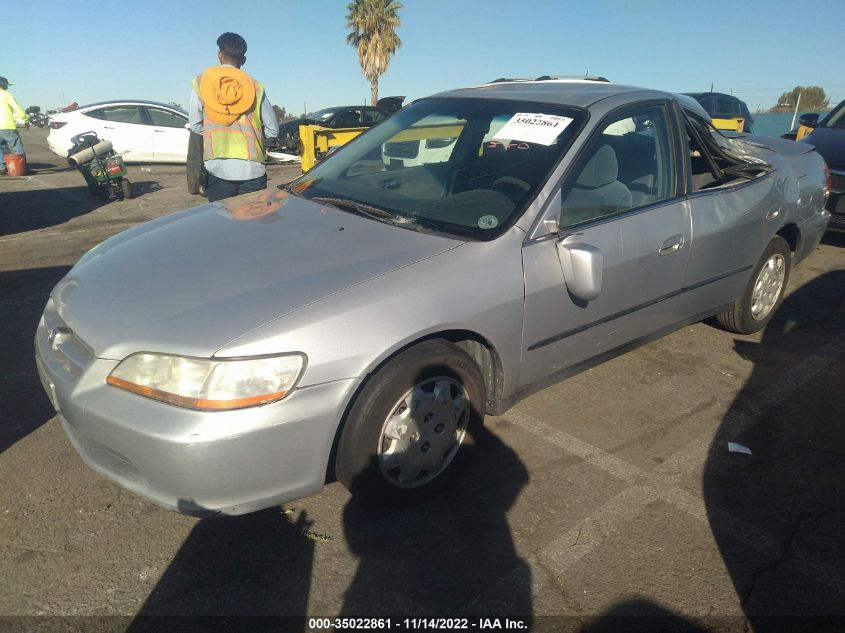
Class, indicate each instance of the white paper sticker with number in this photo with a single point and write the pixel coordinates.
(533, 128)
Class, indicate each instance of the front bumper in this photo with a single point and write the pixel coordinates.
(196, 462)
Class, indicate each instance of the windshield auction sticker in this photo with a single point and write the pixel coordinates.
(533, 128)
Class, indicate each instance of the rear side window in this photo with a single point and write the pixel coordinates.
(164, 118)
(373, 116)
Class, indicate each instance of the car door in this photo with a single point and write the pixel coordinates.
(614, 271)
(124, 126)
(170, 138)
(733, 219)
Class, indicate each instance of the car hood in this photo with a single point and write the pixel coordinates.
(190, 283)
(830, 144)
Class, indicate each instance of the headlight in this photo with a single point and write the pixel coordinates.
(209, 384)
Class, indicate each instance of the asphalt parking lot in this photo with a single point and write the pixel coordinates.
(608, 495)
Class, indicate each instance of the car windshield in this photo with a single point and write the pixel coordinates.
(322, 115)
(464, 167)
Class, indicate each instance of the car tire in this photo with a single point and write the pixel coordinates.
(126, 188)
(763, 294)
(407, 425)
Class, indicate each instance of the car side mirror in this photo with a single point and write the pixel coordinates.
(582, 266)
(809, 120)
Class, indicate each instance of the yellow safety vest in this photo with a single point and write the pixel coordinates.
(242, 139)
(8, 109)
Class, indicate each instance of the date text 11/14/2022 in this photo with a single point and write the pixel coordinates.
(416, 624)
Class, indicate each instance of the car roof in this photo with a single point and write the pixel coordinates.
(576, 92)
(722, 95)
(130, 102)
(581, 92)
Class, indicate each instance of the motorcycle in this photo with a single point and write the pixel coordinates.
(36, 117)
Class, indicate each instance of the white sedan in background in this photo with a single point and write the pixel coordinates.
(142, 131)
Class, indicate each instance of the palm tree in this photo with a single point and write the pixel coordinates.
(372, 25)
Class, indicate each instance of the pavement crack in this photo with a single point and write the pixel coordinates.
(570, 602)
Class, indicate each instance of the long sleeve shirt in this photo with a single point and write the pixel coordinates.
(11, 112)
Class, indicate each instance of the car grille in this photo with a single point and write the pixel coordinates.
(837, 181)
(402, 149)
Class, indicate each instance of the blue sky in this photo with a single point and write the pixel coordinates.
(96, 50)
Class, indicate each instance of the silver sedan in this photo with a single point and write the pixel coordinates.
(358, 323)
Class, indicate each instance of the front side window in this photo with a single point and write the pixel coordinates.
(629, 163)
(464, 167)
(122, 114)
(164, 118)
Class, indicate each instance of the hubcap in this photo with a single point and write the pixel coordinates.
(767, 287)
(423, 432)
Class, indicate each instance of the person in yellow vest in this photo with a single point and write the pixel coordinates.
(232, 112)
(10, 114)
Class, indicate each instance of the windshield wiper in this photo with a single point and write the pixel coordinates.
(360, 208)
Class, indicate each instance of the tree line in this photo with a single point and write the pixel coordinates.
(813, 99)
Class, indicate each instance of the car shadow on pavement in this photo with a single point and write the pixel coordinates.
(231, 573)
(637, 615)
(28, 210)
(453, 554)
(777, 514)
(23, 294)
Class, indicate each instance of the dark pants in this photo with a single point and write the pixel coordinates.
(219, 189)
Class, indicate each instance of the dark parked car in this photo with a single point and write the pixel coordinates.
(828, 137)
(725, 111)
(336, 117)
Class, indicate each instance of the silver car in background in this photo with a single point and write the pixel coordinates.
(357, 323)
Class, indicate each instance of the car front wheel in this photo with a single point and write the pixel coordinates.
(407, 425)
(764, 292)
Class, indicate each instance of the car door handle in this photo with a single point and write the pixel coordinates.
(672, 245)
(771, 215)
(159, 130)
(106, 127)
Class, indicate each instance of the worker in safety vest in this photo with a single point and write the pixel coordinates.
(232, 112)
(10, 114)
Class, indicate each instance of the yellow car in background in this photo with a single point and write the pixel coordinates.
(726, 111)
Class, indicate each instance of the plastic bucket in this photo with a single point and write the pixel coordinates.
(15, 164)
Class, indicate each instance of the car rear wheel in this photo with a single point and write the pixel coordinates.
(407, 425)
(764, 292)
